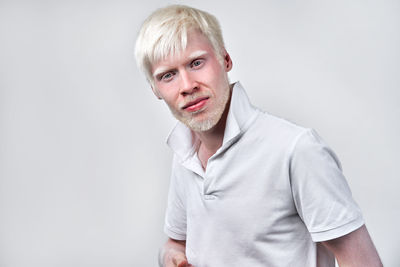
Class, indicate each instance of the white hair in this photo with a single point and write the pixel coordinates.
(165, 33)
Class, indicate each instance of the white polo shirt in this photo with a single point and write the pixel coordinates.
(268, 194)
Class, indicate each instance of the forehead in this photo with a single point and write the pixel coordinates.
(197, 45)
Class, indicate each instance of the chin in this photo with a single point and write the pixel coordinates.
(201, 126)
(204, 120)
(198, 124)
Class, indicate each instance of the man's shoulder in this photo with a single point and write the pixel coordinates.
(274, 126)
(271, 134)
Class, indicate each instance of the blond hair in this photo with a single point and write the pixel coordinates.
(165, 32)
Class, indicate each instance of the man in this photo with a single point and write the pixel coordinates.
(247, 188)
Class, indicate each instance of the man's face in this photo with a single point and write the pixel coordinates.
(194, 84)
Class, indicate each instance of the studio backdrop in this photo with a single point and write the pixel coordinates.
(84, 168)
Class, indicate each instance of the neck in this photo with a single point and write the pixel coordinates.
(211, 140)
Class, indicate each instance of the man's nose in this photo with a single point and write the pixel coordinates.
(188, 83)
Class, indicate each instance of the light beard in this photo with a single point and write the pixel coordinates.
(192, 121)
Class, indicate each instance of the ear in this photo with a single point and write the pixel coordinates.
(227, 61)
(156, 92)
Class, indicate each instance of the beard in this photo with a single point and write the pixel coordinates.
(193, 120)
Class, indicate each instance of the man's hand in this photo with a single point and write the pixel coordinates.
(173, 258)
(173, 254)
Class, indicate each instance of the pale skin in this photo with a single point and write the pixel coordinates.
(355, 249)
(196, 70)
(173, 254)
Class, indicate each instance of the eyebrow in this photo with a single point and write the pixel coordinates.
(192, 56)
(197, 53)
(160, 70)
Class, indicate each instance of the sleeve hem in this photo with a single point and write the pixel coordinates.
(338, 231)
(174, 234)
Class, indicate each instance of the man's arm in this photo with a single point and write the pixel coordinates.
(173, 254)
(354, 249)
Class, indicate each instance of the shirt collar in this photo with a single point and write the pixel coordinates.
(240, 116)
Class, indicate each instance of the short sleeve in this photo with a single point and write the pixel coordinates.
(175, 218)
(321, 194)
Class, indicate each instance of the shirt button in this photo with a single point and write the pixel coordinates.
(209, 197)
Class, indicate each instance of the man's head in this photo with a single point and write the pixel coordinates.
(165, 32)
(181, 51)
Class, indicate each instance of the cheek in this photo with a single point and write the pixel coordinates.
(218, 71)
(212, 74)
(169, 93)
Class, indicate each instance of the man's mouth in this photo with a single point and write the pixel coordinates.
(195, 105)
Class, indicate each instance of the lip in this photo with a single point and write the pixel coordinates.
(196, 105)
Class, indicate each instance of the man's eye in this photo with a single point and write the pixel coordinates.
(196, 63)
(167, 76)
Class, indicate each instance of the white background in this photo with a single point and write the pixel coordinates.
(84, 169)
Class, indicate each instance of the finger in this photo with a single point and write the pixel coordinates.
(183, 263)
(180, 260)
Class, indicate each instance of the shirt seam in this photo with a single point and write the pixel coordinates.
(338, 226)
(290, 157)
(173, 231)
